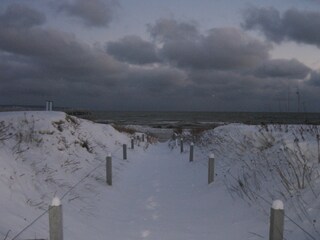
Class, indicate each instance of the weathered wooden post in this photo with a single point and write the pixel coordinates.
(109, 170)
(276, 221)
(132, 143)
(181, 145)
(124, 151)
(191, 152)
(142, 137)
(55, 220)
(211, 168)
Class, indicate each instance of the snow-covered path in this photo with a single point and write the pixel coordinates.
(161, 195)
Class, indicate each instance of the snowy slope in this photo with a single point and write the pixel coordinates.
(260, 164)
(157, 193)
(43, 155)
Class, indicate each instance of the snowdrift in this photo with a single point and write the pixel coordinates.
(44, 154)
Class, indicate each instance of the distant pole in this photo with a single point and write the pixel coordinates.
(55, 220)
(109, 170)
(132, 143)
(47, 105)
(181, 145)
(276, 221)
(191, 152)
(211, 168)
(124, 151)
(318, 140)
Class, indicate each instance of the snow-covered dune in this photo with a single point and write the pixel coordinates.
(157, 193)
(44, 154)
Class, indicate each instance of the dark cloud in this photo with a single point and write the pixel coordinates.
(38, 62)
(296, 25)
(223, 69)
(133, 49)
(56, 52)
(220, 48)
(165, 30)
(314, 79)
(94, 13)
(21, 16)
(283, 68)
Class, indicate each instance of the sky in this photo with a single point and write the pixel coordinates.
(177, 55)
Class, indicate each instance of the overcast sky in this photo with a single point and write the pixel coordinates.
(204, 55)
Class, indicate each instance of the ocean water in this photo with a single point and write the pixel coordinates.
(194, 119)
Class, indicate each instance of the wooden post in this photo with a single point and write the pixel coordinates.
(142, 137)
(276, 221)
(191, 152)
(181, 145)
(124, 151)
(55, 220)
(211, 168)
(132, 143)
(109, 170)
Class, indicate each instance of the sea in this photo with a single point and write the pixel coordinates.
(173, 119)
(201, 119)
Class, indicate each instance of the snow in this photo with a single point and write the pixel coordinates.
(211, 155)
(157, 193)
(277, 205)
(56, 202)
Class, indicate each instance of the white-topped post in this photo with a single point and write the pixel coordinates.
(132, 143)
(276, 220)
(109, 169)
(124, 151)
(181, 145)
(55, 220)
(211, 168)
(191, 152)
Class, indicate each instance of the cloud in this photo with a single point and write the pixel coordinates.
(297, 25)
(37, 62)
(282, 68)
(57, 52)
(314, 78)
(165, 30)
(221, 69)
(94, 13)
(221, 48)
(133, 49)
(21, 16)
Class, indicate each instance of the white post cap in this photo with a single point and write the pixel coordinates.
(109, 155)
(277, 205)
(211, 155)
(56, 202)
(192, 144)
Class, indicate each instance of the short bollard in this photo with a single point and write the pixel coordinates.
(55, 220)
(181, 145)
(109, 170)
(191, 152)
(276, 221)
(124, 151)
(132, 143)
(211, 168)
